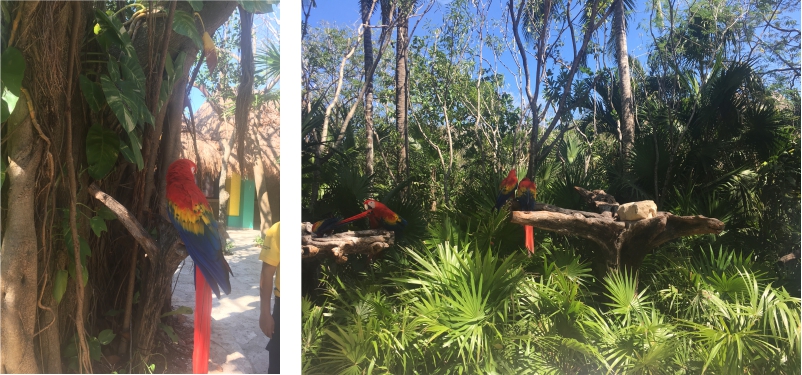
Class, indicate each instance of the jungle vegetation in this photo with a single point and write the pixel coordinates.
(93, 105)
(428, 108)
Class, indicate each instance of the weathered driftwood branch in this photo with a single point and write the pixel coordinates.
(623, 242)
(340, 245)
(788, 257)
(603, 203)
(551, 208)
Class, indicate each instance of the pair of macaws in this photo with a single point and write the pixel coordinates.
(525, 195)
(191, 215)
(379, 216)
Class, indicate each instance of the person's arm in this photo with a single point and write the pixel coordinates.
(265, 293)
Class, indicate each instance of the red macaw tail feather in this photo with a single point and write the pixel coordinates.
(352, 218)
(203, 324)
(530, 239)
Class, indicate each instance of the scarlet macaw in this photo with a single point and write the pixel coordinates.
(321, 227)
(380, 217)
(527, 191)
(192, 217)
(507, 189)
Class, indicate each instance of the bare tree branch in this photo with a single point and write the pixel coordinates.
(128, 220)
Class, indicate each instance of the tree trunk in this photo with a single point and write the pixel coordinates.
(265, 216)
(242, 110)
(159, 271)
(368, 45)
(627, 105)
(401, 89)
(19, 270)
(223, 195)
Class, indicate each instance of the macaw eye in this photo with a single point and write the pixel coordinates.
(193, 169)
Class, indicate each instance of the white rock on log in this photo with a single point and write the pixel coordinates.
(637, 210)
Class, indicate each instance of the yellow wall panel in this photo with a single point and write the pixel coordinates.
(235, 190)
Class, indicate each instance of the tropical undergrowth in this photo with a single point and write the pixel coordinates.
(461, 301)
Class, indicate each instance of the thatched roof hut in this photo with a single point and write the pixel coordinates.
(263, 141)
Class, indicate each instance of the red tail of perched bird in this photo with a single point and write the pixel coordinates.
(380, 217)
(192, 217)
(507, 189)
(527, 191)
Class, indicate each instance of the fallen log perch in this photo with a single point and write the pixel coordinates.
(340, 245)
(622, 243)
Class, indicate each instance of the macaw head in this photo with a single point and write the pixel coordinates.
(512, 174)
(181, 169)
(370, 204)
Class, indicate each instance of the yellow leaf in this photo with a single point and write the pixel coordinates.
(209, 51)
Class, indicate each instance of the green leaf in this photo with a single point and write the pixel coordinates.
(136, 298)
(12, 64)
(94, 349)
(132, 86)
(86, 251)
(169, 331)
(113, 31)
(184, 24)
(102, 149)
(73, 363)
(11, 100)
(84, 272)
(93, 93)
(197, 5)
(106, 213)
(125, 149)
(60, 285)
(71, 349)
(179, 310)
(4, 113)
(107, 28)
(98, 225)
(136, 148)
(105, 336)
(131, 71)
(257, 7)
(167, 84)
(122, 106)
(113, 312)
(114, 70)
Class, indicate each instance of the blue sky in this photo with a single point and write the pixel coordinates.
(195, 96)
(346, 14)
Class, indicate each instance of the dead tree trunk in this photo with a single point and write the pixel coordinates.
(621, 243)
